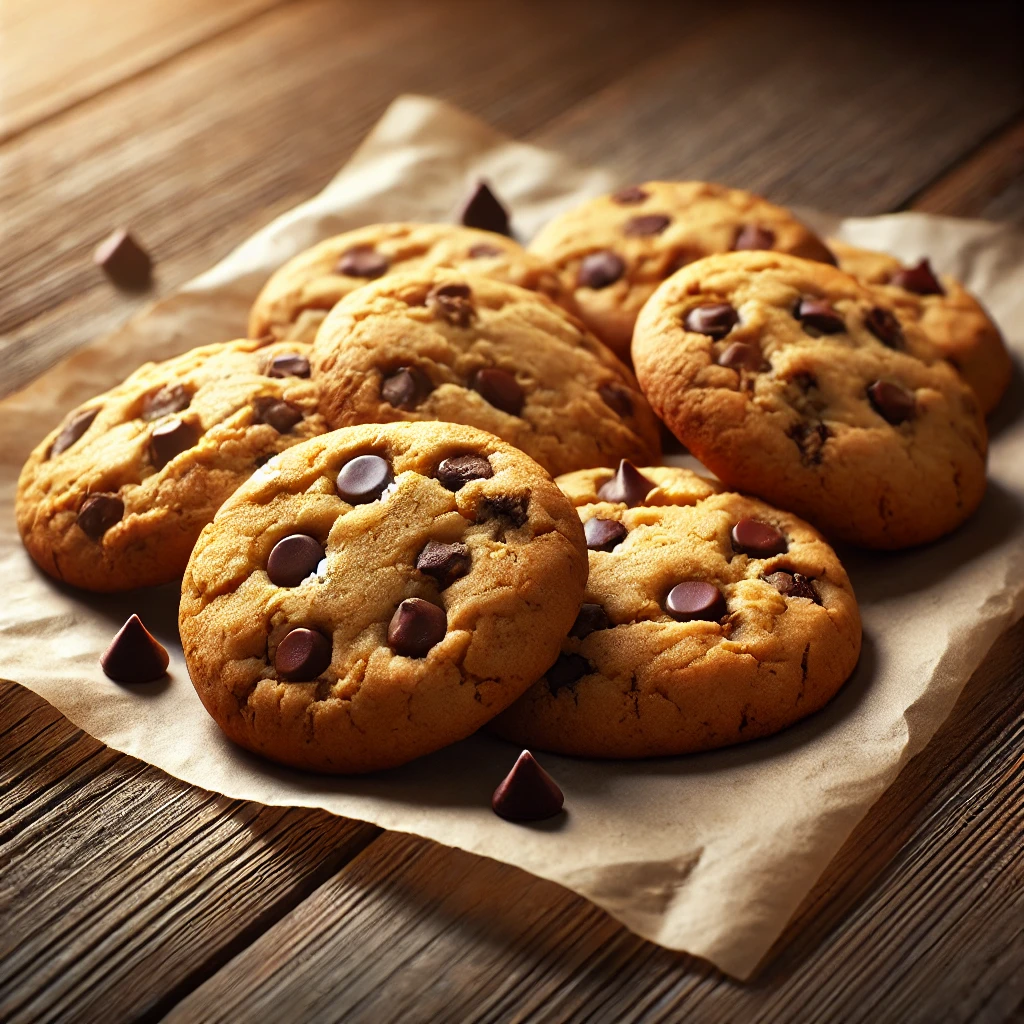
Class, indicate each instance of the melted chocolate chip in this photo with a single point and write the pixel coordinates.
(810, 440)
(603, 534)
(288, 364)
(819, 315)
(444, 562)
(405, 388)
(99, 512)
(741, 356)
(628, 486)
(568, 669)
(758, 539)
(500, 389)
(276, 413)
(169, 399)
(893, 402)
(648, 224)
(458, 470)
(134, 655)
(919, 279)
(302, 656)
(484, 210)
(171, 439)
(293, 558)
(600, 269)
(363, 261)
(715, 319)
(629, 196)
(792, 584)
(364, 479)
(592, 617)
(885, 327)
(73, 430)
(753, 236)
(527, 793)
(416, 626)
(513, 507)
(616, 398)
(453, 303)
(694, 600)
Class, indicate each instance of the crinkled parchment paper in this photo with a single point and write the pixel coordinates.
(710, 854)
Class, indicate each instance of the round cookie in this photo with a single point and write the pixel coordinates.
(949, 316)
(612, 252)
(443, 345)
(787, 380)
(116, 496)
(294, 302)
(709, 619)
(378, 593)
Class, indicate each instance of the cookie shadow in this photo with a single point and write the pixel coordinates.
(1010, 410)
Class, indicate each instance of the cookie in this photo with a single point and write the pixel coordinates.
(949, 316)
(788, 380)
(116, 496)
(709, 619)
(443, 345)
(612, 252)
(294, 302)
(379, 592)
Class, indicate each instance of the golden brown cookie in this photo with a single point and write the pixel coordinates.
(294, 302)
(115, 497)
(444, 345)
(379, 592)
(787, 379)
(612, 252)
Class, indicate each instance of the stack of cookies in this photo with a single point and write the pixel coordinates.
(426, 494)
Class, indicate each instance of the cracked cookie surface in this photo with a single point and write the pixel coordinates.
(777, 632)
(790, 380)
(443, 345)
(429, 573)
(116, 496)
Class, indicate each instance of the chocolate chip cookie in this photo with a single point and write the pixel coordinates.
(949, 316)
(710, 618)
(790, 380)
(444, 345)
(379, 592)
(296, 299)
(612, 252)
(116, 496)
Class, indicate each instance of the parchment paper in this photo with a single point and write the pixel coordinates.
(710, 854)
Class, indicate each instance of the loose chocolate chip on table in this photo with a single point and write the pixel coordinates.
(293, 558)
(99, 512)
(416, 626)
(627, 196)
(74, 429)
(648, 224)
(592, 617)
(162, 402)
(893, 402)
(603, 534)
(453, 303)
(617, 399)
(568, 669)
(715, 319)
(457, 471)
(884, 326)
(302, 656)
(919, 279)
(134, 655)
(364, 479)
(276, 413)
(600, 269)
(483, 250)
(819, 314)
(628, 486)
(405, 388)
(484, 210)
(741, 356)
(444, 562)
(170, 439)
(753, 236)
(527, 793)
(500, 388)
(288, 364)
(124, 261)
(761, 540)
(363, 261)
(695, 600)
(792, 584)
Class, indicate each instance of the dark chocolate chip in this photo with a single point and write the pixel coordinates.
(405, 388)
(695, 600)
(416, 626)
(363, 261)
(603, 534)
(600, 269)
(682, 257)
(648, 224)
(513, 507)
(276, 413)
(616, 398)
(716, 319)
(293, 558)
(919, 279)
(628, 196)
(500, 388)
(288, 364)
(527, 793)
(74, 429)
(134, 655)
(458, 470)
(446, 563)
(761, 540)
(885, 327)
(819, 314)
(170, 439)
(628, 486)
(124, 261)
(893, 402)
(741, 356)
(99, 512)
(453, 303)
(303, 655)
(483, 250)
(810, 439)
(792, 584)
(568, 669)
(592, 617)
(753, 236)
(166, 400)
(484, 210)
(364, 479)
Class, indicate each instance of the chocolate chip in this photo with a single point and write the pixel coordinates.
(293, 558)
(484, 210)
(568, 669)
(170, 439)
(603, 534)
(364, 479)
(792, 584)
(919, 279)
(457, 471)
(405, 388)
(303, 655)
(628, 196)
(761, 540)
(288, 364)
(682, 257)
(446, 563)
(99, 512)
(628, 486)
(810, 439)
(592, 617)
(648, 224)
(134, 655)
(527, 793)
(74, 429)
(695, 600)
(416, 626)
(600, 269)
(885, 327)
(753, 236)
(453, 303)
(819, 314)
(276, 413)
(893, 402)
(513, 507)
(716, 319)
(500, 388)
(124, 261)
(741, 356)
(483, 250)
(363, 261)
(617, 399)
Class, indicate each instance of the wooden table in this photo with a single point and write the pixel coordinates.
(125, 894)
